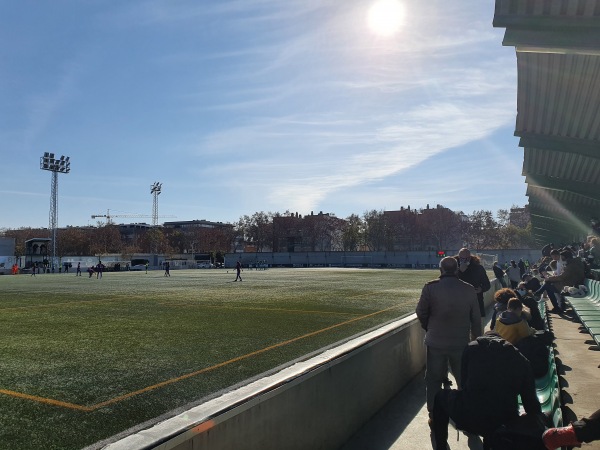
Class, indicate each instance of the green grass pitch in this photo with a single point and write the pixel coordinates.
(83, 358)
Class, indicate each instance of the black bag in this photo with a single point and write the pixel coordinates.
(535, 349)
(523, 433)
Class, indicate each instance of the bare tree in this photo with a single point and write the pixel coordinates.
(443, 227)
(257, 229)
(353, 233)
(375, 230)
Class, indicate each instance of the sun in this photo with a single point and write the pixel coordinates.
(386, 17)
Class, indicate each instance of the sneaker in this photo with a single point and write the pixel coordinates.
(560, 437)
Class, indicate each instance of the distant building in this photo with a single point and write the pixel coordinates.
(36, 251)
(7, 246)
(130, 232)
(187, 224)
(314, 232)
(431, 229)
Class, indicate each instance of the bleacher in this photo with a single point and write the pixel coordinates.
(547, 387)
(587, 309)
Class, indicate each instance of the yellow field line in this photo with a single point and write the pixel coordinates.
(225, 363)
(47, 401)
(247, 308)
(186, 376)
(74, 303)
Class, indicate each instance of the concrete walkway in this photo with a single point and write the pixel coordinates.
(402, 423)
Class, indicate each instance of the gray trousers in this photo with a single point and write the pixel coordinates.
(438, 361)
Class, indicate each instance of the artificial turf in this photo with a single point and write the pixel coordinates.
(82, 359)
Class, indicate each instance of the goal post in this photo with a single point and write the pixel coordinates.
(487, 260)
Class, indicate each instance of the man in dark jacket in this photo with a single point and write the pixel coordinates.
(499, 273)
(494, 374)
(471, 271)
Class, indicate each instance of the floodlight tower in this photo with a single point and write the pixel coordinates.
(155, 190)
(56, 166)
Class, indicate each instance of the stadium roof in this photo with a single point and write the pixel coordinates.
(557, 44)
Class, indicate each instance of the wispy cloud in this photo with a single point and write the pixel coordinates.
(44, 107)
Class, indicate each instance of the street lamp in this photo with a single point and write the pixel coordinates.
(56, 166)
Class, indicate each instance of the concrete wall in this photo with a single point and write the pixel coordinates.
(378, 259)
(318, 403)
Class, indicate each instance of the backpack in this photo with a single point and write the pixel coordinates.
(523, 433)
(535, 349)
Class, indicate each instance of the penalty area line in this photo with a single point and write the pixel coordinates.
(47, 401)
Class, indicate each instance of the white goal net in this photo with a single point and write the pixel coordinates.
(487, 260)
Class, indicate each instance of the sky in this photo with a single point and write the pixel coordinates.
(239, 106)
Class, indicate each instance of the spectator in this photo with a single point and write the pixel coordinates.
(547, 249)
(511, 325)
(584, 430)
(594, 253)
(514, 274)
(499, 273)
(471, 271)
(521, 266)
(555, 262)
(501, 298)
(534, 318)
(448, 311)
(573, 275)
(531, 283)
(494, 374)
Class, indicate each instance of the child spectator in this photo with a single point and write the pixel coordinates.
(510, 324)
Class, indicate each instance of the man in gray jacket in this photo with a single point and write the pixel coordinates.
(449, 313)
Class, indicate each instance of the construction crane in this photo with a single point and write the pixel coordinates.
(109, 216)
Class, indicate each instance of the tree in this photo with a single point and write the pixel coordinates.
(352, 233)
(154, 241)
(74, 242)
(105, 239)
(257, 229)
(482, 230)
(375, 230)
(401, 230)
(443, 227)
(503, 216)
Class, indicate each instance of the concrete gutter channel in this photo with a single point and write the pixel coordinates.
(359, 393)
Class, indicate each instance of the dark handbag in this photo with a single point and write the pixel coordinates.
(522, 433)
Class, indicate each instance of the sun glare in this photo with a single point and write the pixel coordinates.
(386, 17)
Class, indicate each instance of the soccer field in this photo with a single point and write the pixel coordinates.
(83, 358)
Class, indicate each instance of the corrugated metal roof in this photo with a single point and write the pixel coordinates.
(558, 95)
(558, 103)
(546, 8)
(564, 165)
